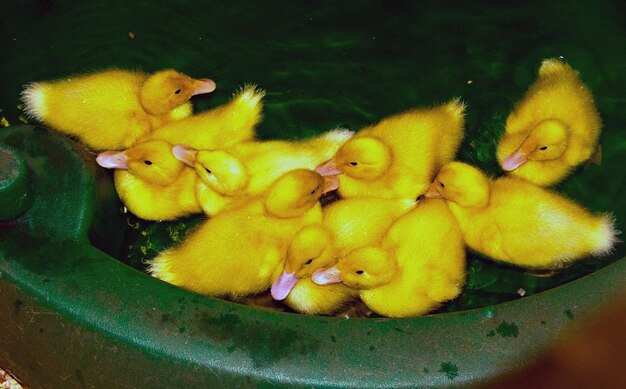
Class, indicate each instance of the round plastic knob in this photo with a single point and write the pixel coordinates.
(15, 190)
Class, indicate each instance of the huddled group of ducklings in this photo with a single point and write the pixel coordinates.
(396, 238)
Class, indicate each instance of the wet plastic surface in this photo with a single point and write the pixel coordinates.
(323, 65)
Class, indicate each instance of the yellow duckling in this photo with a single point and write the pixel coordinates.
(249, 168)
(419, 264)
(398, 157)
(553, 129)
(347, 225)
(516, 222)
(220, 127)
(112, 109)
(241, 251)
(310, 249)
(151, 182)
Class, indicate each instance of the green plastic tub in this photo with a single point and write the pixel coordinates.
(77, 311)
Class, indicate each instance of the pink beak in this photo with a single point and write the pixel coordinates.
(283, 286)
(113, 159)
(514, 161)
(202, 86)
(185, 154)
(326, 276)
(328, 168)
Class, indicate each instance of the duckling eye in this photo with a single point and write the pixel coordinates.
(442, 185)
(354, 163)
(543, 148)
(178, 91)
(310, 261)
(147, 162)
(315, 190)
(359, 272)
(208, 170)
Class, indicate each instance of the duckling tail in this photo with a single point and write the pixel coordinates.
(605, 236)
(159, 267)
(34, 100)
(553, 66)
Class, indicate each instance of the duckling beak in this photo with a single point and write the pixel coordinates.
(185, 154)
(326, 276)
(113, 160)
(202, 86)
(283, 286)
(328, 168)
(330, 183)
(514, 161)
(432, 192)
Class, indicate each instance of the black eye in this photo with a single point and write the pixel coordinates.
(543, 148)
(147, 162)
(354, 163)
(442, 185)
(208, 171)
(309, 261)
(315, 190)
(178, 91)
(359, 272)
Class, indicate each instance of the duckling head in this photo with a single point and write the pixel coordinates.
(167, 89)
(151, 161)
(220, 170)
(546, 141)
(310, 249)
(364, 158)
(462, 184)
(363, 268)
(294, 193)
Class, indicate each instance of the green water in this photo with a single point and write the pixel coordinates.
(347, 64)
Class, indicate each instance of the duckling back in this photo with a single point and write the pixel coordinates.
(428, 249)
(220, 127)
(532, 227)
(419, 142)
(240, 251)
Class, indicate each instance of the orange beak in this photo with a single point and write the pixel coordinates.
(432, 192)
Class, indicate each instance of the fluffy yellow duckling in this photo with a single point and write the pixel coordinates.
(112, 109)
(419, 264)
(311, 249)
(347, 225)
(249, 168)
(553, 129)
(220, 127)
(241, 251)
(151, 182)
(398, 157)
(516, 222)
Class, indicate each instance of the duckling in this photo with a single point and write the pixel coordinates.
(398, 157)
(516, 222)
(553, 129)
(310, 249)
(151, 183)
(221, 127)
(419, 264)
(249, 168)
(112, 109)
(347, 225)
(241, 251)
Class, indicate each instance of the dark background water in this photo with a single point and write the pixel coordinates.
(330, 64)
